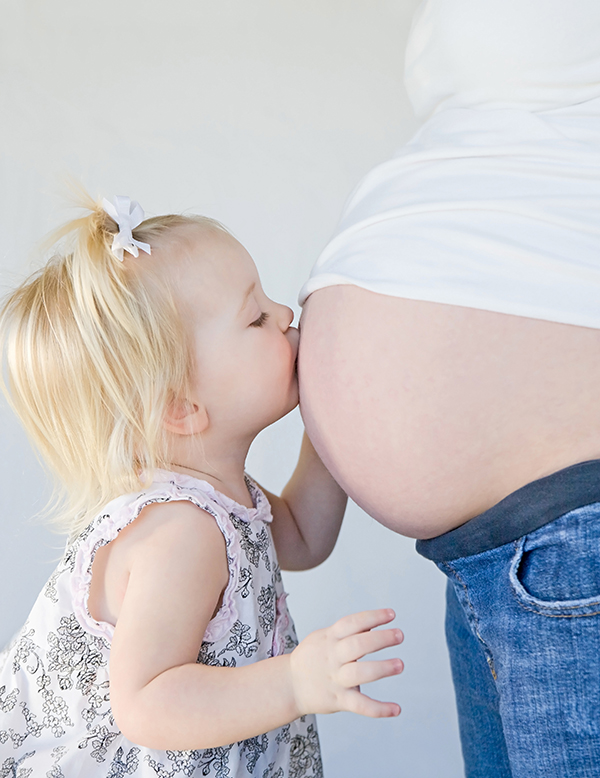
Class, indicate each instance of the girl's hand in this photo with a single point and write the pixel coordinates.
(162, 698)
(326, 675)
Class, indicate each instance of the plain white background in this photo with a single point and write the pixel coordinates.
(263, 114)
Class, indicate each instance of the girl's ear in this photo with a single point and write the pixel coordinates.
(185, 418)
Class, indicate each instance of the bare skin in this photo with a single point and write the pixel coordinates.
(429, 414)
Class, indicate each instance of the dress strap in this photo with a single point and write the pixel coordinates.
(117, 515)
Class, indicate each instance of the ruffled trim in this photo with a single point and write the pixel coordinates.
(262, 507)
(282, 624)
(167, 487)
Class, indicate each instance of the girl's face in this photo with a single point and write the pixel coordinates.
(243, 345)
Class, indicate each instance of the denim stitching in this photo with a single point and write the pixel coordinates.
(558, 615)
(488, 653)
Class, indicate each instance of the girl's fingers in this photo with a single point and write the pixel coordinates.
(361, 622)
(359, 703)
(356, 673)
(356, 646)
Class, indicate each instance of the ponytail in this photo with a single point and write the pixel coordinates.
(94, 351)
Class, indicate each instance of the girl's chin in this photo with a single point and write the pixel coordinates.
(293, 403)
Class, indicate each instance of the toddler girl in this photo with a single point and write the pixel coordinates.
(143, 360)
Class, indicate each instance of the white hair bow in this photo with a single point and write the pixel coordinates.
(128, 214)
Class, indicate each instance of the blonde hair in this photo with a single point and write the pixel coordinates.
(94, 353)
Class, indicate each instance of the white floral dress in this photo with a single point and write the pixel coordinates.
(55, 715)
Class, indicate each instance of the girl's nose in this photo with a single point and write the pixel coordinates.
(285, 316)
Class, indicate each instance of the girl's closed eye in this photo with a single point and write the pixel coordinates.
(261, 320)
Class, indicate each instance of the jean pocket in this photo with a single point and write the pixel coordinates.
(555, 571)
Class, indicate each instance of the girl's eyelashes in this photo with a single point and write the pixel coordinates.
(261, 320)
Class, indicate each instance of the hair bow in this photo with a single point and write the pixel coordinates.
(128, 215)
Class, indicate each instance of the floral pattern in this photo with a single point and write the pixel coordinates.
(55, 714)
(305, 754)
(267, 604)
(245, 582)
(255, 545)
(124, 763)
(241, 641)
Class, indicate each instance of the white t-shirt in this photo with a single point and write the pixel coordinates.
(495, 203)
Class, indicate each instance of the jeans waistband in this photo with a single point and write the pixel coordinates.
(522, 512)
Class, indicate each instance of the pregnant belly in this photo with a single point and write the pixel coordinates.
(429, 414)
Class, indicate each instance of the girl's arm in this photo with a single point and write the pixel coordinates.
(161, 698)
(308, 515)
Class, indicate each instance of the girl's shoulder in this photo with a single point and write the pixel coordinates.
(100, 557)
(168, 487)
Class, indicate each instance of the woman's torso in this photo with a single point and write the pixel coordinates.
(450, 347)
(429, 414)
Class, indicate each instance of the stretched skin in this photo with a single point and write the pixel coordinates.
(428, 414)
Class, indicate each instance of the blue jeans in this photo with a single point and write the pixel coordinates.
(523, 629)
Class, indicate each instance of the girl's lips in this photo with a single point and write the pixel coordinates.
(294, 338)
